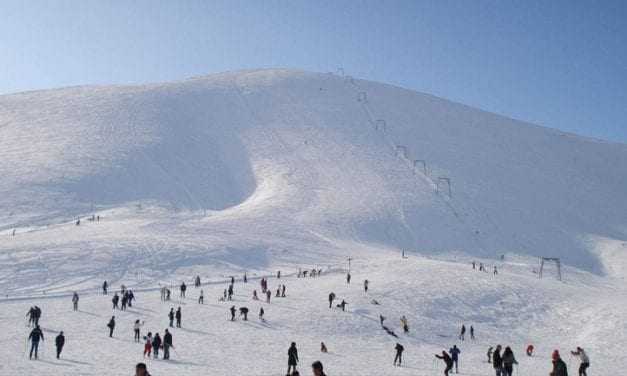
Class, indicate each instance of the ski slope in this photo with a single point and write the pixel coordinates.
(264, 170)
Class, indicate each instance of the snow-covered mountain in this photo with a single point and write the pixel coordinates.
(275, 159)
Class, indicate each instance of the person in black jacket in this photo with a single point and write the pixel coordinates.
(447, 360)
(59, 341)
(140, 370)
(171, 317)
(35, 336)
(399, 354)
(156, 345)
(111, 326)
(497, 361)
(317, 369)
(559, 367)
(167, 343)
(178, 317)
(292, 358)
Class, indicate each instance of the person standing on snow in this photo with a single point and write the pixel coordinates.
(331, 299)
(348, 278)
(167, 343)
(366, 285)
(178, 318)
(317, 369)
(105, 285)
(399, 354)
(530, 350)
(171, 317)
(243, 311)
(463, 332)
(261, 313)
(585, 360)
(59, 341)
(508, 361)
(268, 296)
(35, 336)
(136, 328)
(75, 301)
(111, 326)
(183, 288)
(472, 333)
(115, 300)
(292, 358)
(455, 356)
(156, 345)
(201, 298)
(497, 361)
(148, 344)
(232, 309)
(559, 367)
(447, 360)
(490, 354)
(404, 324)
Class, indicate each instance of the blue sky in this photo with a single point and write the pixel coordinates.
(561, 64)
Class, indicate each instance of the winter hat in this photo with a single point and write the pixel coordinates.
(556, 355)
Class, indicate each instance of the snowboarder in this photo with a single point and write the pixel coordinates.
(472, 333)
(447, 360)
(111, 326)
(331, 299)
(399, 354)
(136, 328)
(508, 361)
(261, 313)
(462, 332)
(115, 300)
(497, 361)
(292, 358)
(404, 324)
(530, 350)
(35, 336)
(317, 369)
(585, 360)
(75, 301)
(59, 341)
(232, 309)
(559, 367)
(490, 355)
(156, 345)
(183, 288)
(167, 343)
(140, 370)
(323, 348)
(243, 311)
(366, 285)
(148, 344)
(455, 356)
(178, 316)
(171, 317)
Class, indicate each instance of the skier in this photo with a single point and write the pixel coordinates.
(455, 356)
(508, 361)
(201, 298)
(232, 309)
(244, 311)
(136, 327)
(472, 333)
(268, 296)
(530, 350)
(317, 369)
(178, 318)
(167, 343)
(366, 285)
(323, 348)
(183, 288)
(75, 301)
(115, 301)
(35, 336)
(559, 367)
(331, 299)
(292, 358)
(140, 370)
(171, 317)
(447, 360)
(490, 355)
(404, 324)
(348, 278)
(497, 361)
(156, 345)
(463, 332)
(59, 341)
(399, 354)
(585, 361)
(111, 326)
(147, 344)
(261, 313)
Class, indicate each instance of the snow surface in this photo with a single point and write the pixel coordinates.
(274, 169)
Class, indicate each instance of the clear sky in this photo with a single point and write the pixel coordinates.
(557, 63)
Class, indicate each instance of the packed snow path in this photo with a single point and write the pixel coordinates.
(514, 308)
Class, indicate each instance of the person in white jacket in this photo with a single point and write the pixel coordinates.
(136, 328)
(585, 360)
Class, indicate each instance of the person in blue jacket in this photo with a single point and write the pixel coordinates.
(454, 351)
